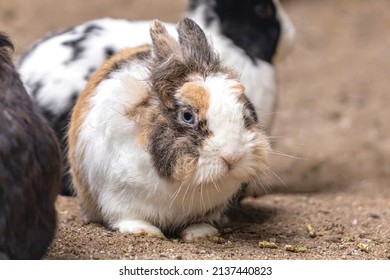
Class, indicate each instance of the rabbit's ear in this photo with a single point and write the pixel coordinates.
(194, 43)
(164, 45)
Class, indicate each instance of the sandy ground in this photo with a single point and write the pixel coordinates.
(332, 125)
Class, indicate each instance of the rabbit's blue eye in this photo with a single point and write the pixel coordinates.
(187, 117)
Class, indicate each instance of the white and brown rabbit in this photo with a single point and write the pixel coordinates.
(162, 138)
(249, 36)
(30, 168)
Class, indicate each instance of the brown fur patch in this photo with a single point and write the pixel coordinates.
(196, 96)
(147, 115)
(184, 168)
(134, 111)
(239, 89)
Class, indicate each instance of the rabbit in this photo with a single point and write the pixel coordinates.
(162, 138)
(249, 35)
(30, 168)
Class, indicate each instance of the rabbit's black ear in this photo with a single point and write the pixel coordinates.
(194, 43)
(164, 45)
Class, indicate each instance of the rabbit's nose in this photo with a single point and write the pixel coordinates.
(231, 157)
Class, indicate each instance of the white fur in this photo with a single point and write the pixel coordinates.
(138, 227)
(230, 136)
(198, 231)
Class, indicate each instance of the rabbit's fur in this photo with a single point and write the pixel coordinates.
(163, 137)
(30, 168)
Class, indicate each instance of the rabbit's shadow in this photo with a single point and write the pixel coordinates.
(250, 213)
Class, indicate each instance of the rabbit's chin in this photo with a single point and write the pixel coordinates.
(219, 174)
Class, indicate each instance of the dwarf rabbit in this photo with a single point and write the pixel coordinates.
(162, 138)
(30, 168)
(247, 34)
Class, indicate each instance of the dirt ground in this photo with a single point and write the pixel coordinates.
(332, 125)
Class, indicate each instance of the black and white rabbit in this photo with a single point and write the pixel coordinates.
(162, 138)
(30, 168)
(247, 34)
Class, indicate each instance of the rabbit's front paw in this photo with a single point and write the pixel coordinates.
(138, 228)
(198, 231)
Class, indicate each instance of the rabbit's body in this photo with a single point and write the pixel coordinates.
(247, 35)
(30, 169)
(163, 137)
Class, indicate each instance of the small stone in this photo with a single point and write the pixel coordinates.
(333, 247)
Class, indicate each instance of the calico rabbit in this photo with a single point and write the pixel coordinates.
(249, 35)
(30, 168)
(162, 138)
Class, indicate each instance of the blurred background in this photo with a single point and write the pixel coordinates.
(27, 21)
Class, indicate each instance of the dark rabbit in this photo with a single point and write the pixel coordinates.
(30, 168)
(249, 35)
